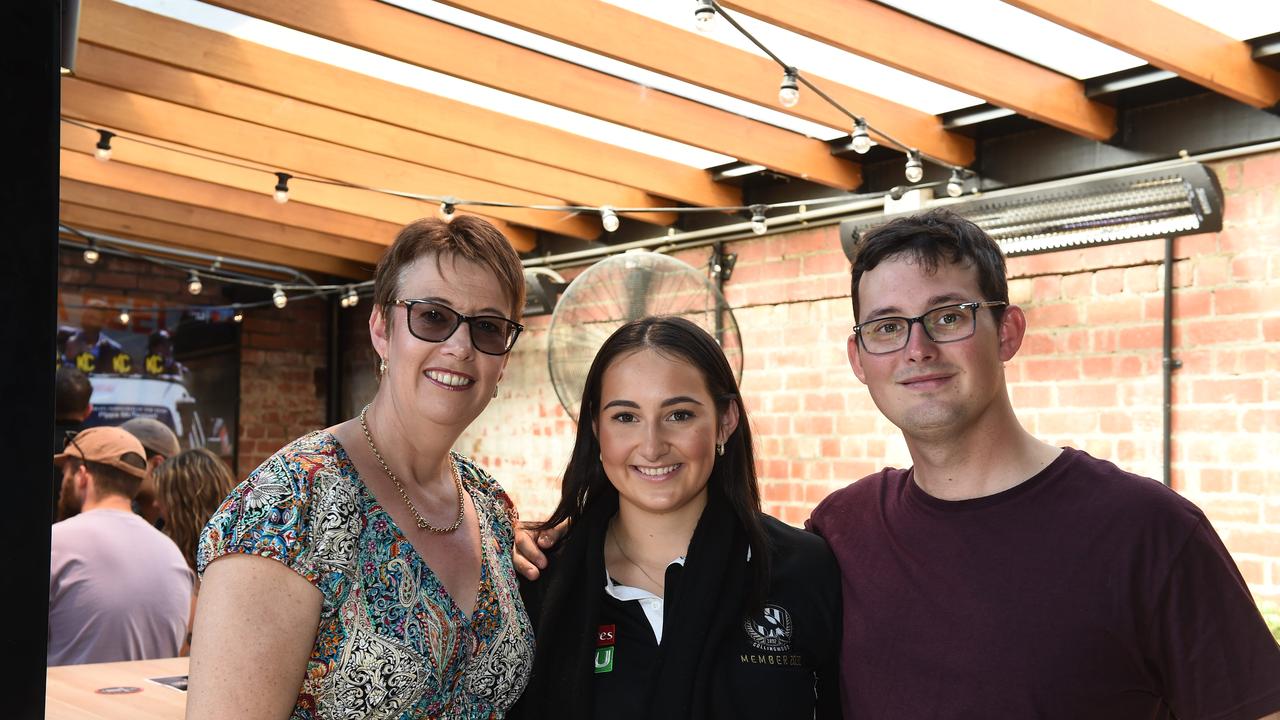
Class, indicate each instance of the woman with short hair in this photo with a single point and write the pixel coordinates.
(364, 570)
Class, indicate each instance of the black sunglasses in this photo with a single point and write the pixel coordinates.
(435, 322)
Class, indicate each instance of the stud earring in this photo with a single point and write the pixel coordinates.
(720, 449)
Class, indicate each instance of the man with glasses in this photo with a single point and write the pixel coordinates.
(118, 588)
(999, 576)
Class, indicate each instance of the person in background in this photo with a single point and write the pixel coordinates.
(189, 488)
(671, 595)
(161, 444)
(364, 570)
(118, 588)
(89, 349)
(71, 407)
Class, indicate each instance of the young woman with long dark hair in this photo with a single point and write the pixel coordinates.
(671, 595)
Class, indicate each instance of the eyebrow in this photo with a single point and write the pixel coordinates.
(677, 400)
(934, 302)
(446, 303)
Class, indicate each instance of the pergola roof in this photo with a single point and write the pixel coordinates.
(568, 102)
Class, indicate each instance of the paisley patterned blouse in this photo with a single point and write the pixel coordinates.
(391, 643)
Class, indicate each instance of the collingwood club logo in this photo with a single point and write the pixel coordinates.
(770, 629)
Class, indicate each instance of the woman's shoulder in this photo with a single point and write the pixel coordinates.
(481, 484)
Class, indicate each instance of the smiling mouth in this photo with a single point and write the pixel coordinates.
(657, 472)
(925, 381)
(452, 381)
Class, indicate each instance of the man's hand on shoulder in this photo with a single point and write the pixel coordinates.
(528, 555)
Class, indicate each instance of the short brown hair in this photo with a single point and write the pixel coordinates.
(466, 236)
(108, 480)
(932, 238)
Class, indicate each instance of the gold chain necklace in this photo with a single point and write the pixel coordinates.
(627, 557)
(421, 521)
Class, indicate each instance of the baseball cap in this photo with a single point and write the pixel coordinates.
(154, 435)
(108, 446)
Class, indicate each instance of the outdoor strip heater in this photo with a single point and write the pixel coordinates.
(1174, 199)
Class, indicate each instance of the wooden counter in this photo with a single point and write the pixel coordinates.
(72, 692)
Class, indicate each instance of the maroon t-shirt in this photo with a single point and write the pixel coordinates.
(1084, 592)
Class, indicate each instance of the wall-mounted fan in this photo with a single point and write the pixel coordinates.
(627, 287)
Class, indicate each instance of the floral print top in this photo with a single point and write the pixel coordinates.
(391, 642)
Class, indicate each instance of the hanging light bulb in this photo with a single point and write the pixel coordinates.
(955, 186)
(194, 286)
(352, 298)
(861, 140)
(279, 298)
(914, 169)
(282, 187)
(759, 222)
(789, 90)
(344, 301)
(124, 316)
(91, 254)
(704, 15)
(239, 316)
(446, 211)
(609, 219)
(102, 151)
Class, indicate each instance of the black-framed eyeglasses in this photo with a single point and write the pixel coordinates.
(436, 322)
(949, 323)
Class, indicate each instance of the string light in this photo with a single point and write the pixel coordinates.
(194, 286)
(279, 298)
(759, 222)
(282, 187)
(861, 139)
(350, 298)
(238, 317)
(789, 89)
(102, 151)
(609, 219)
(914, 169)
(91, 254)
(704, 15)
(608, 214)
(955, 186)
(124, 316)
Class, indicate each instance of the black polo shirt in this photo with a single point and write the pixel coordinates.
(783, 659)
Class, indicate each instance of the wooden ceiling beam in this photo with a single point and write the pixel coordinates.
(133, 227)
(631, 38)
(1170, 41)
(151, 153)
(108, 67)
(194, 216)
(299, 155)
(377, 234)
(399, 34)
(118, 26)
(901, 41)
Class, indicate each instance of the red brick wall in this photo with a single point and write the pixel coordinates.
(282, 364)
(1088, 374)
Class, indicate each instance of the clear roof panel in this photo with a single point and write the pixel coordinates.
(1241, 19)
(401, 73)
(626, 71)
(1023, 34)
(812, 56)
